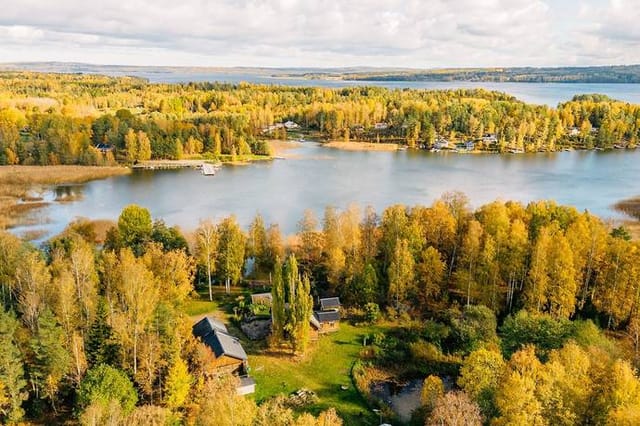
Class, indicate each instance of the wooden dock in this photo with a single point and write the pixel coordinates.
(208, 169)
(167, 164)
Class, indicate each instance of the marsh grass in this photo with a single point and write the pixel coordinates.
(630, 207)
(19, 183)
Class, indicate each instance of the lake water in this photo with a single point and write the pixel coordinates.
(282, 189)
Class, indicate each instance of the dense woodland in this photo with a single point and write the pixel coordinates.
(601, 74)
(50, 119)
(532, 311)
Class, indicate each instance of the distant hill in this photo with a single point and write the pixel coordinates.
(599, 74)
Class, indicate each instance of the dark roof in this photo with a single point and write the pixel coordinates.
(207, 325)
(329, 303)
(223, 344)
(327, 316)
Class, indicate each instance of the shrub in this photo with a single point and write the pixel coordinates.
(371, 312)
(104, 385)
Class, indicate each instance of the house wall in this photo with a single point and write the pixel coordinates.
(225, 364)
(328, 327)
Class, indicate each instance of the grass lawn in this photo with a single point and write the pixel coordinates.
(324, 370)
(199, 307)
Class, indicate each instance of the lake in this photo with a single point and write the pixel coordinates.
(282, 189)
(538, 93)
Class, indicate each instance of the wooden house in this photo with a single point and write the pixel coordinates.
(329, 321)
(230, 357)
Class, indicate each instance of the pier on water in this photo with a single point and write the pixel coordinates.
(208, 169)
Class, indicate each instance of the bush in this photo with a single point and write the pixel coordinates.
(371, 312)
(104, 385)
(476, 326)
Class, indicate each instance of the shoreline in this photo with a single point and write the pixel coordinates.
(361, 146)
(283, 148)
(18, 183)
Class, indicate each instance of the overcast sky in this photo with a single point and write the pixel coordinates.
(399, 33)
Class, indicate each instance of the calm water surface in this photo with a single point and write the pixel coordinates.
(281, 190)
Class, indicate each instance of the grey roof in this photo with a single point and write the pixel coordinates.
(327, 316)
(207, 325)
(329, 303)
(224, 344)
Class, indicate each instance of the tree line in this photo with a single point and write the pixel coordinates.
(93, 120)
(89, 329)
(99, 334)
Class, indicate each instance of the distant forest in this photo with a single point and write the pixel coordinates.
(50, 119)
(607, 74)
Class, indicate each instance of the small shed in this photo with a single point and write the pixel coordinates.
(330, 303)
(329, 320)
(261, 299)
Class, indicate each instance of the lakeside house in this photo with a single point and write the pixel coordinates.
(469, 145)
(573, 131)
(104, 147)
(230, 356)
(381, 126)
(441, 144)
(288, 125)
(490, 139)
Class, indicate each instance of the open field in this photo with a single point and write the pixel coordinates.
(18, 182)
(361, 146)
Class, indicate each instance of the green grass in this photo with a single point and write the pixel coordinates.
(198, 307)
(325, 369)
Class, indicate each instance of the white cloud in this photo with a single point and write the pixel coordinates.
(407, 33)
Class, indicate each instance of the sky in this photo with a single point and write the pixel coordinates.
(322, 33)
